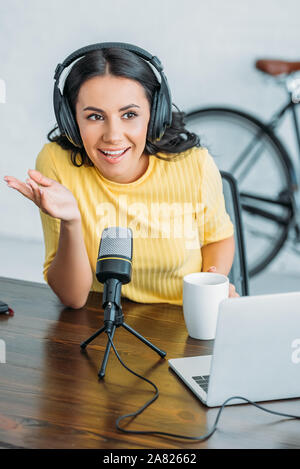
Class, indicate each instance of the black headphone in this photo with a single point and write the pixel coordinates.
(161, 110)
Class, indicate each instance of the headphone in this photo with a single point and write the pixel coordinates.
(161, 109)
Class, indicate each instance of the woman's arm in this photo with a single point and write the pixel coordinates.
(218, 257)
(70, 274)
(219, 254)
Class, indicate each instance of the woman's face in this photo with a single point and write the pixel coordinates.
(113, 115)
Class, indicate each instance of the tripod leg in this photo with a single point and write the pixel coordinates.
(87, 341)
(108, 346)
(143, 339)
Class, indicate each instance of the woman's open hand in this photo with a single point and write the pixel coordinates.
(232, 291)
(49, 195)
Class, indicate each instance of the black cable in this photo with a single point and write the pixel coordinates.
(198, 438)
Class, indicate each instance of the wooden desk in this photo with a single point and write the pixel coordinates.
(50, 395)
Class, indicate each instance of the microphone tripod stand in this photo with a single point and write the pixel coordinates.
(113, 318)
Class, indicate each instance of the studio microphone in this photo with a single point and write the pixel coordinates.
(114, 267)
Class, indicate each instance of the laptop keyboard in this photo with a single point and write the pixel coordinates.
(202, 381)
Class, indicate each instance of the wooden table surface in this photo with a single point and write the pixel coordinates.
(51, 397)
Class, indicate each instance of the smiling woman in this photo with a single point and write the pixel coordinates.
(119, 156)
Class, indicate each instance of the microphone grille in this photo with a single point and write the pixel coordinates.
(116, 241)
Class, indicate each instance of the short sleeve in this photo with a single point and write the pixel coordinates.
(217, 224)
(50, 225)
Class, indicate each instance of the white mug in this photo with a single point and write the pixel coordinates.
(202, 294)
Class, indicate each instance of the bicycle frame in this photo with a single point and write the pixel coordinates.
(276, 118)
(294, 175)
(271, 126)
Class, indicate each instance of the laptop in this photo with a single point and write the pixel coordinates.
(256, 352)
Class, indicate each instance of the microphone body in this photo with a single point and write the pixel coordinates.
(115, 255)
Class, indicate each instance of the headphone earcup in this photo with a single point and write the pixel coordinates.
(151, 126)
(69, 126)
(160, 116)
(64, 118)
(57, 97)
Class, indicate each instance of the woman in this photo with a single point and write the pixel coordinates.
(115, 172)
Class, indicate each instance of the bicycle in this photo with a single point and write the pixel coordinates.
(250, 150)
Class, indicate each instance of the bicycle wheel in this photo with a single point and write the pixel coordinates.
(246, 148)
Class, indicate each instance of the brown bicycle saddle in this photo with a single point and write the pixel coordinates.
(277, 67)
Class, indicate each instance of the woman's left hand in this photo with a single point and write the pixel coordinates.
(232, 291)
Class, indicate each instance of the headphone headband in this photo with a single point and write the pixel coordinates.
(161, 110)
(107, 45)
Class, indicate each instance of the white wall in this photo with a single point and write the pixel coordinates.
(207, 47)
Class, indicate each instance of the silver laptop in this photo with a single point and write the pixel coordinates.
(256, 352)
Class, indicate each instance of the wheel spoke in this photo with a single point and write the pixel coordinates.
(244, 156)
(250, 164)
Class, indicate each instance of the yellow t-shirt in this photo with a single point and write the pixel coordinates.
(173, 209)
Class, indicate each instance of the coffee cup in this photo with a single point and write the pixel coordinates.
(202, 294)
